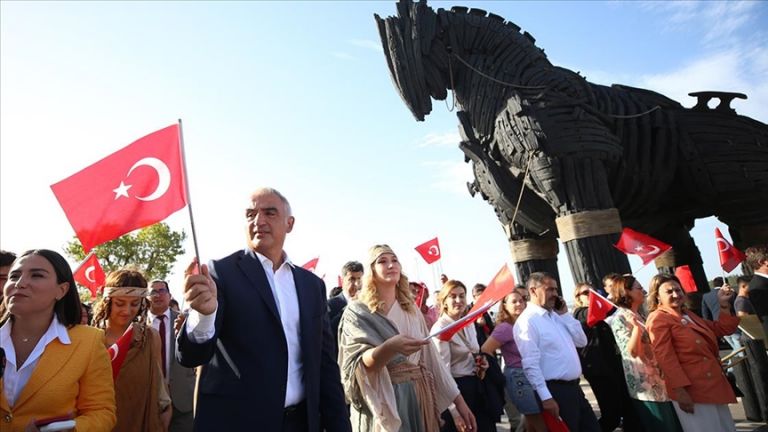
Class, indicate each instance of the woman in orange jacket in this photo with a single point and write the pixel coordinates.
(55, 367)
(686, 349)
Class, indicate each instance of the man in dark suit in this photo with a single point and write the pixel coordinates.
(258, 325)
(757, 258)
(710, 305)
(351, 282)
(180, 380)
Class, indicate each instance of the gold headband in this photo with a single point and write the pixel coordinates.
(376, 251)
(125, 291)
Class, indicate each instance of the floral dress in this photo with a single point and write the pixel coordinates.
(644, 379)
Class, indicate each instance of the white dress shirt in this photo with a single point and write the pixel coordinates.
(155, 320)
(200, 328)
(547, 342)
(15, 379)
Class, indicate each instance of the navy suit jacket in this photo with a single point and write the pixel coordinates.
(249, 327)
(336, 306)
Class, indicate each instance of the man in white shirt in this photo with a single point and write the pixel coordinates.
(180, 380)
(258, 325)
(547, 337)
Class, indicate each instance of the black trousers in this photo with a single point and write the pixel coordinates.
(574, 407)
(295, 418)
(471, 391)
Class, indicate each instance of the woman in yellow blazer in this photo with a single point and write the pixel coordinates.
(54, 367)
(686, 349)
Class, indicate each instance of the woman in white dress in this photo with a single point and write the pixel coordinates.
(392, 375)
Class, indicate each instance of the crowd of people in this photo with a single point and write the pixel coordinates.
(261, 348)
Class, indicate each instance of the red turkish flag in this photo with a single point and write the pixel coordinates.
(599, 308)
(642, 245)
(686, 279)
(421, 294)
(136, 186)
(501, 285)
(430, 250)
(119, 350)
(90, 275)
(730, 257)
(311, 265)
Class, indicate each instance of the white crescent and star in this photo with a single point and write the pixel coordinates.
(163, 176)
(647, 250)
(89, 273)
(433, 250)
(114, 350)
(725, 244)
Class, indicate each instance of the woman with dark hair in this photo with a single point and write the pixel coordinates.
(601, 365)
(461, 355)
(142, 399)
(686, 349)
(518, 388)
(54, 367)
(392, 375)
(641, 371)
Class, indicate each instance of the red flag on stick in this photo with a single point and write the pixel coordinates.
(90, 275)
(501, 285)
(642, 245)
(311, 265)
(686, 279)
(430, 250)
(136, 186)
(599, 308)
(730, 257)
(421, 294)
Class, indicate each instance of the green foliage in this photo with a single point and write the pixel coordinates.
(151, 250)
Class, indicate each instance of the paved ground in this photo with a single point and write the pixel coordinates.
(737, 410)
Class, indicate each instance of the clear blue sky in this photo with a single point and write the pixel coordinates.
(297, 95)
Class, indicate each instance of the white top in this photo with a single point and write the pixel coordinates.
(200, 328)
(547, 342)
(15, 379)
(155, 321)
(458, 353)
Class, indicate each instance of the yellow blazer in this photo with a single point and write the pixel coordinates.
(68, 379)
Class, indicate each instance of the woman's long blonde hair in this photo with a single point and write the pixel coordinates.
(370, 293)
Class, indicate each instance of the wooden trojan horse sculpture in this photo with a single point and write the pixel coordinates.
(560, 157)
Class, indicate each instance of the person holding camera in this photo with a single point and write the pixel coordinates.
(547, 337)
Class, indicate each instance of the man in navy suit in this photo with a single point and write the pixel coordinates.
(351, 282)
(259, 327)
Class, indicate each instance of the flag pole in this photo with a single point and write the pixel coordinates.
(189, 196)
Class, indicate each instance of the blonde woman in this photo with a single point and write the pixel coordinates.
(641, 371)
(142, 400)
(392, 376)
(520, 391)
(460, 354)
(685, 346)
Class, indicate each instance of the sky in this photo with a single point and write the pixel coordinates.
(297, 96)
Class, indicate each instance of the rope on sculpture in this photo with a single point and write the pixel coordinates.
(453, 88)
(667, 259)
(533, 249)
(589, 223)
(545, 88)
(522, 188)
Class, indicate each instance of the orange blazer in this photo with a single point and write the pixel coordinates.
(689, 356)
(68, 379)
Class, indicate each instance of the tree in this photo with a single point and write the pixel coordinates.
(151, 250)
